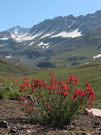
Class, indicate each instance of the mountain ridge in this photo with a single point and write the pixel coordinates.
(52, 41)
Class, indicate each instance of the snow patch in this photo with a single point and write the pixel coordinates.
(16, 31)
(8, 57)
(47, 46)
(4, 38)
(97, 56)
(48, 34)
(86, 62)
(43, 45)
(30, 43)
(24, 37)
(72, 34)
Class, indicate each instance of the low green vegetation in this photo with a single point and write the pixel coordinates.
(88, 72)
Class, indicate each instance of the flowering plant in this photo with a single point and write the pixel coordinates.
(58, 101)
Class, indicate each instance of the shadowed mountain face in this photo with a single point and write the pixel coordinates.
(55, 42)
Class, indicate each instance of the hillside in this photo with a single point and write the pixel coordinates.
(7, 66)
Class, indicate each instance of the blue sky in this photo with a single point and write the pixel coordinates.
(27, 13)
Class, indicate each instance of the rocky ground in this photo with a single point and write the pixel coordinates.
(14, 122)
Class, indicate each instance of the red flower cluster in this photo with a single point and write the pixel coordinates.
(78, 93)
(55, 88)
(90, 93)
(73, 79)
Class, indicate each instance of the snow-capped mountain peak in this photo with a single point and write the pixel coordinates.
(18, 30)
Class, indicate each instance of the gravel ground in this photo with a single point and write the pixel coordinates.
(19, 124)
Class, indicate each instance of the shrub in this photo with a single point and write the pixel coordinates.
(58, 101)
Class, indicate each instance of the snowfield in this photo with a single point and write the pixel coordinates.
(24, 37)
(72, 34)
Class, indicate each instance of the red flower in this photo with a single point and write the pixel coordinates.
(65, 93)
(46, 103)
(81, 93)
(31, 109)
(82, 102)
(19, 100)
(38, 98)
(27, 105)
(73, 97)
(13, 81)
(24, 99)
(23, 88)
(63, 103)
(11, 75)
(65, 87)
(49, 107)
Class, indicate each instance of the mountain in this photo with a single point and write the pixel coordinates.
(18, 30)
(55, 42)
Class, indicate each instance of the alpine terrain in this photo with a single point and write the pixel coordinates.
(55, 42)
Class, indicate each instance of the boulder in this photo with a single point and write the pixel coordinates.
(94, 111)
(3, 124)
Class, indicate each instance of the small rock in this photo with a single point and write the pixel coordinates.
(94, 126)
(82, 129)
(74, 123)
(68, 127)
(96, 123)
(97, 128)
(28, 131)
(89, 122)
(13, 130)
(72, 126)
(24, 126)
(97, 133)
(88, 134)
(17, 125)
(3, 124)
(77, 128)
